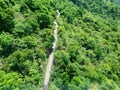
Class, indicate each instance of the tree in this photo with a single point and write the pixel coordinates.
(9, 80)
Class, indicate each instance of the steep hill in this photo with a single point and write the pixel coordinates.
(88, 53)
(87, 56)
(26, 36)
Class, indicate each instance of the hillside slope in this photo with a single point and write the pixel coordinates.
(88, 49)
(26, 36)
(88, 52)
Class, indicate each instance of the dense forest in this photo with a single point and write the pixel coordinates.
(26, 35)
(87, 56)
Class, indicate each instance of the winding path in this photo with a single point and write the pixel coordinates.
(50, 60)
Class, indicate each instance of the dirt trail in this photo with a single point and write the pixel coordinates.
(51, 57)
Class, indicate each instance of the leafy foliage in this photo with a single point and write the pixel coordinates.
(26, 35)
(87, 54)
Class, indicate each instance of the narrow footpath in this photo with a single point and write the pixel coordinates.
(51, 57)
